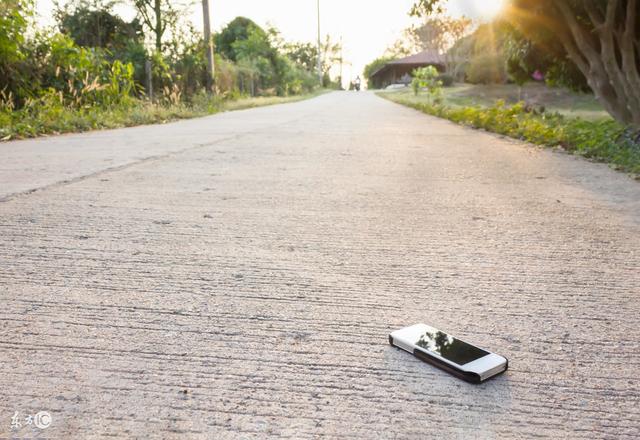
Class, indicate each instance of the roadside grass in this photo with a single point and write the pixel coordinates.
(565, 102)
(51, 118)
(601, 139)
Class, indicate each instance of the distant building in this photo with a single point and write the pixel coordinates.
(399, 71)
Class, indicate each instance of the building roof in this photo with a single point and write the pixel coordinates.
(424, 58)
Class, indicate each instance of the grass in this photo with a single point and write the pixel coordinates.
(261, 101)
(51, 118)
(599, 138)
(567, 103)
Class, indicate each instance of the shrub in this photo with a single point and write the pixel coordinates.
(427, 77)
(446, 79)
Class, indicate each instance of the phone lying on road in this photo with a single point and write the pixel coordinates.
(449, 353)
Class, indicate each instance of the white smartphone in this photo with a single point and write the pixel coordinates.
(451, 354)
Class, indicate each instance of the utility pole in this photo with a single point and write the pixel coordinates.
(319, 48)
(208, 46)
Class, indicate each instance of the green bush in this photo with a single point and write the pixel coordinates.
(90, 75)
(427, 77)
(17, 80)
(446, 79)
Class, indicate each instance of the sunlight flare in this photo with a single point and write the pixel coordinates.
(490, 8)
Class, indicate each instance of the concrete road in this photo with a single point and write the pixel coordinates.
(236, 276)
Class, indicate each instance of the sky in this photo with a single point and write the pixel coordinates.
(367, 27)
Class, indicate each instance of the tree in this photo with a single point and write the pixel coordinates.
(487, 61)
(525, 59)
(440, 35)
(93, 24)
(14, 16)
(330, 52)
(455, 54)
(304, 55)
(264, 59)
(237, 30)
(158, 16)
(15, 71)
(601, 37)
(403, 47)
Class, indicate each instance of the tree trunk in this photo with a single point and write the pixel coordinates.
(606, 56)
(159, 26)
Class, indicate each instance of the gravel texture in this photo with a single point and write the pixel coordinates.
(236, 276)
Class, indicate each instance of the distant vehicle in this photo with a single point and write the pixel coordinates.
(357, 83)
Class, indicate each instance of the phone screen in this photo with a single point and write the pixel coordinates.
(448, 347)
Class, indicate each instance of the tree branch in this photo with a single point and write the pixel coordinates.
(580, 37)
(582, 51)
(141, 7)
(574, 53)
(612, 7)
(628, 53)
(145, 18)
(625, 94)
(594, 14)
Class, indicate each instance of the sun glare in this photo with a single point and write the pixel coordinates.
(490, 8)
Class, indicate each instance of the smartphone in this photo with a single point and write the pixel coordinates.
(449, 353)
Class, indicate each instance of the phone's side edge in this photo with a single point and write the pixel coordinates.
(467, 376)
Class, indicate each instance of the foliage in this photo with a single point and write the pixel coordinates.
(184, 64)
(158, 16)
(440, 35)
(50, 115)
(95, 68)
(331, 54)
(82, 76)
(427, 78)
(604, 140)
(14, 16)
(304, 55)
(524, 58)
(599, 37)
(262, 65)
(54, 65)
(403, 46)
(15, 72)
(373, 67)
(487, 62)
(95, 25)
(236, 31)
(446, 79)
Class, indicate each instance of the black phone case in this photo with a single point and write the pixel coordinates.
(467, 376)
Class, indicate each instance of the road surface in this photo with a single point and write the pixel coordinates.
(236, 276)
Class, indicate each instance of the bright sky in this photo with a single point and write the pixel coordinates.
(367, 27)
